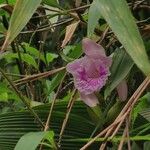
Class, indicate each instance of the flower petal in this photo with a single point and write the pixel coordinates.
(106, 60)
(92, 49)
(91, 100)
(90, 85)
(122, 90)
(74, 66)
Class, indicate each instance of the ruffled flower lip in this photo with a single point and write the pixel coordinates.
(91, 71)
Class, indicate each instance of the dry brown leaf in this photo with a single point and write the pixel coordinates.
(7, 8)
(70, 29)
(78, 3)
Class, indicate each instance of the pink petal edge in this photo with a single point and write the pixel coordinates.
(122, 90)
(92, 49)
(91, 99)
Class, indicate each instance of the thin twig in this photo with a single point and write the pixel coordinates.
(70, 10)
(69, 107)
(128, 136)
(103, 35)
(102, 147)
(22, 98)
(15, 75)
(124, 112)
(122, 139)
(136, 94)
(125, 135)
(79, 8)
(52, 105)
(100, 134)
(38, 76)
(50, 27)
(47, 125)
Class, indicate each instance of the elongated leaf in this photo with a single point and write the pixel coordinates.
(121, 21)
(22, 12)
(70, 29)
(32, 140)
(122, 63)
(56, 81)
(92, 18)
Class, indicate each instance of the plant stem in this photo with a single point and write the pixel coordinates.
(26, 102)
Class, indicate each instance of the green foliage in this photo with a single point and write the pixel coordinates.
(121, 66)
(144, 102)
(53, 3)
(35, 61)
(14, 125)
(119, 18)
(25, 57)
(32, 139)
(92, 18)
(22, 12)
(55, 81)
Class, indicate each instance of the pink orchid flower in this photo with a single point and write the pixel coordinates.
(91, 71)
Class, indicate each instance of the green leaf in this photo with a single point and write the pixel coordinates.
(92, 18)
(33, 51)
(4, 97)
(52, 3)
(56, 81)
(71, 52)
(32, 140)
(121, 21)
(50, 57)
(50, 138)
(29, 60)
(122, 64)
(25, 57)
(22, 12)
(147, 145)
(144, 102)
(145, 114)
(6, 93)
(12, 2)
(16, 124)
(76, 52)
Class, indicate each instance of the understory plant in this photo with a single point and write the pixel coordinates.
(74, 74)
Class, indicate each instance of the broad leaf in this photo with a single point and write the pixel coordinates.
(50, 57)
(121, 21)
(32, 140)
(122, 63)
(22, 12)
(25, 57)
(16, 124)
(93, 18)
